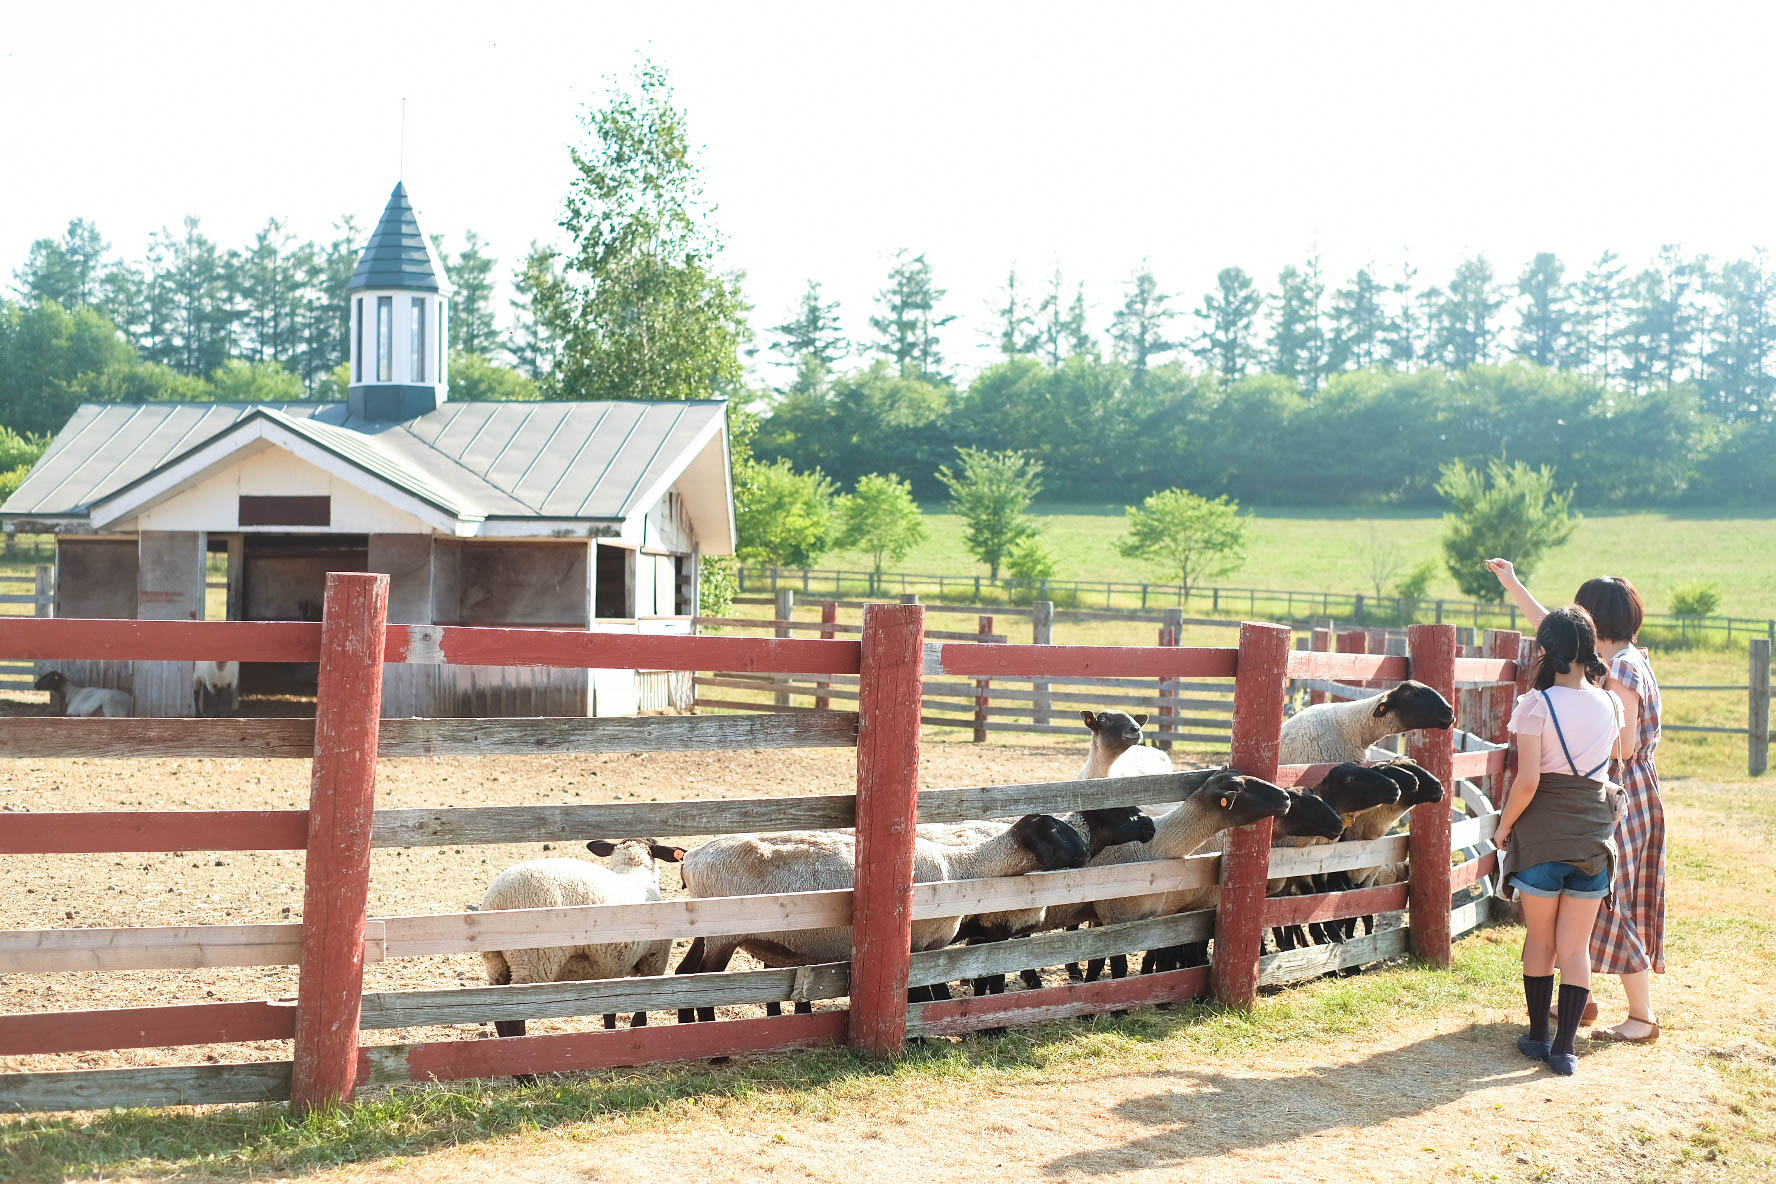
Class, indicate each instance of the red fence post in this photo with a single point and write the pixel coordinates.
(982, 688)
(1320, 640)
(1259, 688)
(1432, 649)
(829, 615)
(890, 689)
(341, 807)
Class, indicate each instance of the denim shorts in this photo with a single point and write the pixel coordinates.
(1555, 878)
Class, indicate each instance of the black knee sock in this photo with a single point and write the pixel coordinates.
(1572, 1008)
(1538, 992)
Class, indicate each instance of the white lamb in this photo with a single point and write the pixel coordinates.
(631, 877)
(79, 700)
(1330, 733)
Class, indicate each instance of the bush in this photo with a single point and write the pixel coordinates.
(1030, 559)
(716, 586)
(1512, 513)
(1695, 599)
(786, 518)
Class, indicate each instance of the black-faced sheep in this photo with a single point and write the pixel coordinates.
(1332, 732)
(1418, 787)
(79, 700)
(808, 861)
(632, 876)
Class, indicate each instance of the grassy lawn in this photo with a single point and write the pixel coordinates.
(1327, 548)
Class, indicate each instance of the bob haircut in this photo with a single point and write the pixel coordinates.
(1614, 605)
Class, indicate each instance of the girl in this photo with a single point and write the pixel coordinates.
(1630, 941)
(1563, 861)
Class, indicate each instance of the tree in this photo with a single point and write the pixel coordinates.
(475, 379)
(540, 289)
(1017, 327)
(1465, 328)
(1546, 316)
(880, 518)
(1191, 537)
(1138, 328)
(1060, 328)
(787, 518)
(908, 322)
(1383, 557)
(473, 329)
(1030, 562)
(1297, 338)
(1358, 324)
(992, 496)
(1403, 335)
(641, 312)
(237, 381)
(1741, 339)
(67, 272)
(1228, 316)
(1511, 512)
(813, 332)
(1597, 320)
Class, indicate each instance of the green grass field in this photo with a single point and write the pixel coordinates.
(1324, 548)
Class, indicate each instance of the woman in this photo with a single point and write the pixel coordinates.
(1629, 941)
(1557, 831)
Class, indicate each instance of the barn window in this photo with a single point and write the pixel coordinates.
(286, 511)
(418, 342)
(683, 586)
(615, 593)
(385, 339)
(358, 340)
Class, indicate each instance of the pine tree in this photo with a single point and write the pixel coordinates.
(1740, 341)
(813, 332)
(473, 329)
(270, 287)
(1060, 328)
(908, 322)
(1546, 315)
(537, 287)
(1138, 329)
(67, 271)
(1016, 325)
(1297, 336)
(1466, 332)
(1403, 331)
(1228, 316)
(201, 321)
(1359, 324)
(1598, 318)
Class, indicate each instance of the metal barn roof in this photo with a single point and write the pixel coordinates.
(399, 255)
(558, 461)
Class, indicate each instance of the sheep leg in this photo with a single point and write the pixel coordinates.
(992, 984)
(639, 1020)
(1093, 969)
(1033, 978)
(508, 1027)
(699, 960)
(1119, 966)
(773, 1009)
(610, 1020)
(803, 1007)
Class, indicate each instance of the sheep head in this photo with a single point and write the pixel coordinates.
(1054, 844)
(53, 681)
(1351, 787)
(1113, 732)
(1309, 817)
(1412, 706)
(636, 852)
(1238, 800)
(1418, 785)
(1116, 825)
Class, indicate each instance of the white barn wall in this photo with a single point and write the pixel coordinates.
(213, 503)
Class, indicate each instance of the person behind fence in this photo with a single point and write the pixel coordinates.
(1557, 831)
(1630, 940)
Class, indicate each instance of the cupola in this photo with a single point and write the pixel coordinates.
(399, 326)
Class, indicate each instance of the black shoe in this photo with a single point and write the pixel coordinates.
(1535, 1050)
(1563, 1063)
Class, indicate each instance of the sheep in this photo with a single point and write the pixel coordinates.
(79, 700)
(1418, 787)
(1333, 732)
(804, 861)
(215, 688)
(1349, 789)
(631, 877)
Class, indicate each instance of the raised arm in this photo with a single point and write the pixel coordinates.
(1507, 575)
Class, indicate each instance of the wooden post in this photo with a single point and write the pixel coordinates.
(1259, 687)
(1170, 633)
(982, 688)
(1432, 648)
(1042, 619)
(1757, 722)
(829, 615)
(890, 687)
(45, 590)
(785, 611)
(335, 899)
(1321, 641)
(1500, 643)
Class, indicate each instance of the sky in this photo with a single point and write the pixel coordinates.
(1094, 138)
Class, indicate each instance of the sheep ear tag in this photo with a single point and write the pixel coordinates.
(1226, 801)
(1381, 709)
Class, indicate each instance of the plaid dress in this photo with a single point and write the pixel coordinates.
(1632, 938)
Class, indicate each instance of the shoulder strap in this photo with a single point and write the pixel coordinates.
(1570, 763)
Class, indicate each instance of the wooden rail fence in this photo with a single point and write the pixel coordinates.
(890, 660)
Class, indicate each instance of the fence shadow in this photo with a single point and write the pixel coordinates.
(1204, 1115)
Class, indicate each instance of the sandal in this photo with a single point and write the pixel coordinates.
(1585, 1020)
(1613, 1036)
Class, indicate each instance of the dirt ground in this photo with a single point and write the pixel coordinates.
(1425, 1096)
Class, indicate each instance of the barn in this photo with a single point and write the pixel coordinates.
(547, 514)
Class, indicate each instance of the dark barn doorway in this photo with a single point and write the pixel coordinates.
(284, 578)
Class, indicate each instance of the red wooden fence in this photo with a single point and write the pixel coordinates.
(891, 657)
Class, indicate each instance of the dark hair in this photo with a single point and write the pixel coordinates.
(1567, 638)
(1614, 605)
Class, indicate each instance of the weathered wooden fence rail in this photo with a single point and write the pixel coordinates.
(884, 669)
